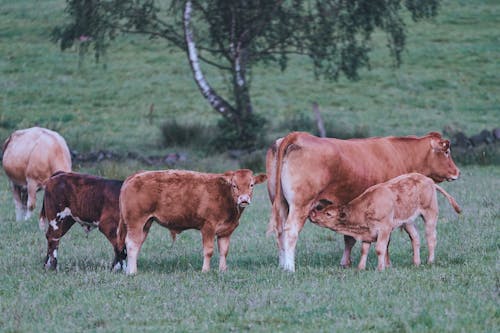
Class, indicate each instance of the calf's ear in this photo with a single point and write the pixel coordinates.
(322, 203)
(260, 178)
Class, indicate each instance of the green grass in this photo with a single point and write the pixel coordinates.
(458, 293)
(450, 76)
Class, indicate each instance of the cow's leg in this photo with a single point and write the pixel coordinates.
(412, 232)
(208, 236)
(108, 227)
(294, 224)
(349, 243)
(18, 202)
(133, 241)
(381, 248)
(223, 245)
(31, 203)
(57, 228)
(365, 248)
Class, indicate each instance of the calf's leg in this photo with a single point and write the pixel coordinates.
(431, 235)
(349, 243)
(365, 248)
(415, 242)
(108, 227)
(381, 248)
(208, 236)
(57, 228)
(223, 244)
(136, 235)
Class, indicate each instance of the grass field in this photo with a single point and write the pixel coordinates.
(450, 77)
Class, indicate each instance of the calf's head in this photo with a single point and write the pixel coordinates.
(242, 182)
(439, 162)
(326, 214)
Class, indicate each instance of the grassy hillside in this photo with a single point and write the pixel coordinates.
(450, 77)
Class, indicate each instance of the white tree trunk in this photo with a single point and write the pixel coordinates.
(217, 102)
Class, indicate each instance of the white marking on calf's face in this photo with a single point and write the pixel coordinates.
(65, 212)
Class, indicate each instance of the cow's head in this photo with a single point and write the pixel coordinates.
(326, 214)
(242, 182)
(439, 161)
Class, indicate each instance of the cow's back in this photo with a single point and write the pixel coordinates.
(343, 168)
(35, 153)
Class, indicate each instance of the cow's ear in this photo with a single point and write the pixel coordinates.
(440, 145)
(445, 144)
(260, 178)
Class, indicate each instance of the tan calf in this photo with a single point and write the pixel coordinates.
(374, 214)
(180, 200)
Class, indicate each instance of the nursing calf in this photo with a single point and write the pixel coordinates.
(374, 214)
(91, 201)
(180, 200)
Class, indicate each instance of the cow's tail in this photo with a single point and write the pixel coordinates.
(279, 204)
(6, 143)
(450, 198)
(121, 233)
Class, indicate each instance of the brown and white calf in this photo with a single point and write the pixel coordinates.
(88, 200)
(180, 200)
(374, 214)
(30, 157)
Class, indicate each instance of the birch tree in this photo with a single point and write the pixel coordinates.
(236, 35)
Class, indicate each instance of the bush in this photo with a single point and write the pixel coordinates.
(251, 136)
(186, 135)
(481, 155)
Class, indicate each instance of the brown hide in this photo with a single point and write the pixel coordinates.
(88, 200)
(180, 200)
(302, 165)
(374, 214)
(30, 157)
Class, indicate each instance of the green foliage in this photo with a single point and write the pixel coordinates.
(237, 35)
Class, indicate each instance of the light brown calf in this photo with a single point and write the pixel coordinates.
(374, 214)
(180, 200)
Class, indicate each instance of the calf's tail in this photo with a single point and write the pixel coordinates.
(450, 199)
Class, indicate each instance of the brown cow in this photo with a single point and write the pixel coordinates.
(301, 165)
(31, 156)
(380, 209)
(180, 200)
(91, 201)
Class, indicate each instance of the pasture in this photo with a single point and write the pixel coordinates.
(449, 77)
